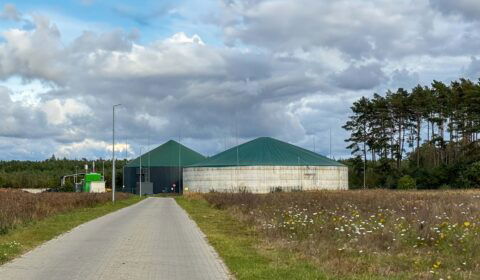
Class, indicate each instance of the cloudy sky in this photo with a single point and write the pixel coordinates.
(204, 71)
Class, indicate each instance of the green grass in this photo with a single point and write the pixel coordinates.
(239, 246)
(26, 237)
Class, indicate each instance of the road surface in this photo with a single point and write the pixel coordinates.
(153, 239)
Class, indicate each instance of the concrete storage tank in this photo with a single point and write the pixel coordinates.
(161, 169)
(264, 165)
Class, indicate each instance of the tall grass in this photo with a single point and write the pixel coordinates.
(426, 235)
(17, 207)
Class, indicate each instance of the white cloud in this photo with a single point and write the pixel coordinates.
(60, 112)
(182, 38)
(91, 148)
(33, 54)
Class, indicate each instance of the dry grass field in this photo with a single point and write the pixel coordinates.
(28, 220)
(375, 233)
(17, 207)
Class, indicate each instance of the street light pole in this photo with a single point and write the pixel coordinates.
(140, 177)
(113, 153)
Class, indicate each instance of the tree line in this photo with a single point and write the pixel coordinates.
(47, 173)
(427, 131)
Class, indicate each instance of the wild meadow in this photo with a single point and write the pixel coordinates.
(18, 207)
(28, 220)
(374, 233)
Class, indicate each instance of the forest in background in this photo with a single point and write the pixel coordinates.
(425, 138)
(47, 173)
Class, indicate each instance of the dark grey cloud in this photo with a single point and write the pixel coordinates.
(403, 78)
(360, 77)
(20, 121)
(358, 29)
(470, 9)
(116, 40)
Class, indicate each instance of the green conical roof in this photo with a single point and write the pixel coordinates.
(168, 154)
(267, 151)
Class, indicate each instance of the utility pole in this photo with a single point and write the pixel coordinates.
(299, 174)
(180, 178)
(113, 153)
(364, 166)
(149, 150)
(140, 177)
(124, 164)
(330, 142)
(123, 177)
(236, 143)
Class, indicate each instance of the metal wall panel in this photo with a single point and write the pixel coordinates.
(163, 179)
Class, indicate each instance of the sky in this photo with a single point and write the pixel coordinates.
(214, 73)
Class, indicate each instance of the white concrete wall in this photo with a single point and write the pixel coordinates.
(35, 190)
(263, 179)
(97, 187)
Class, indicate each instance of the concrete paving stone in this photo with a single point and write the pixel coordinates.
(153, 239)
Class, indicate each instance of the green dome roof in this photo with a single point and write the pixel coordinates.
(168, 154)
(267, 151)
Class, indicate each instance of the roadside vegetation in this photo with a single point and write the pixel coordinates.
(27, 220)
(374, 234)
(429, 133)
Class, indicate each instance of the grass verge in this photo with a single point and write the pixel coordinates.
(375, 234)
(26, 237)
(240, 248)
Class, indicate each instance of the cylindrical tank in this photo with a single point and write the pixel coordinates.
(264, 179)
(263, 165)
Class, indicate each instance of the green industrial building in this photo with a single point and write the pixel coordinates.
(161, 170)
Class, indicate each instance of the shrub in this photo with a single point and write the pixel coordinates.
(471, 176)
(444, 187)
(406, 183)
(276, 189)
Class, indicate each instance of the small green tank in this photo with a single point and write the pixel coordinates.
(89, 178)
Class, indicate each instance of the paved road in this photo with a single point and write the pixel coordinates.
(153, 239)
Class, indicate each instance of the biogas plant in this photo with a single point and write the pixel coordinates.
(259, 166)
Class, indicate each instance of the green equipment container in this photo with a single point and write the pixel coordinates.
(89, 178)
